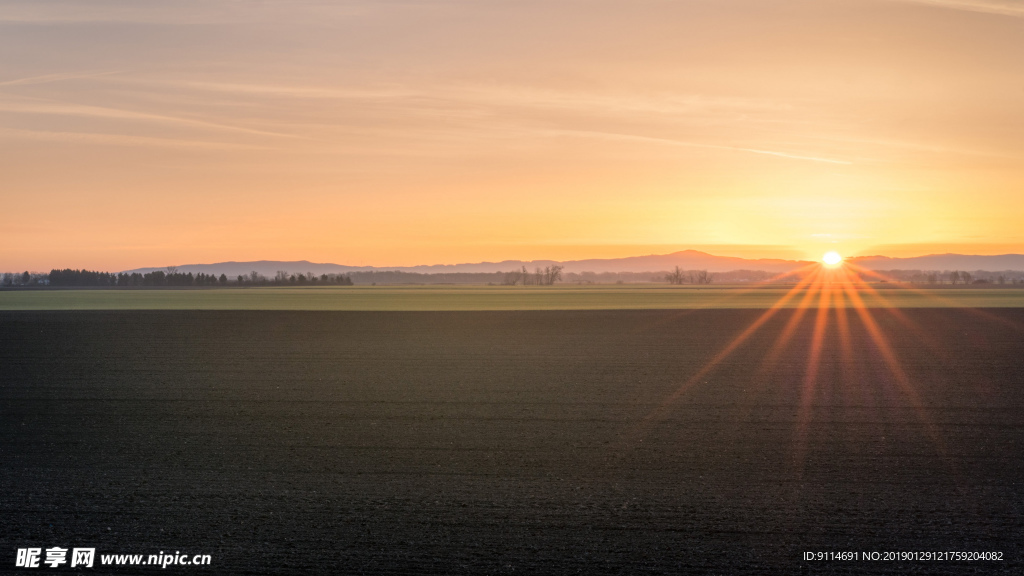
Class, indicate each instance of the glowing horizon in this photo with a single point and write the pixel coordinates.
(399, 134)
(826, 291)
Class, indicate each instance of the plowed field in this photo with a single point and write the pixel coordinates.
(515, 442)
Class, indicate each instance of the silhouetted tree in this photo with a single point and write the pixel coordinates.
(512, 278)
(155, 278)
(69, 277)
(552, 274)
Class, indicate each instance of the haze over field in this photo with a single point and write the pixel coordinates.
(687, 259)
(403, 133)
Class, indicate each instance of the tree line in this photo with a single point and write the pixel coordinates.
(680, 276)
(70, 277)
(547, 276)
(540, 277)
(956, 277)
(23, 279)
(284, 278)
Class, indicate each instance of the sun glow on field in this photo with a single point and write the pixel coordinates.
(829, 291)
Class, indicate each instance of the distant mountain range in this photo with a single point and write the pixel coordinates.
(686, 259)
(944, 262)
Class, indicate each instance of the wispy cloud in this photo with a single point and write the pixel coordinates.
(682, 143)
(48, 78)
(529, 110)
(515, 96)
(40, 106)
(1004, 7)
(300, 91)
(188, 12)
(123, 140)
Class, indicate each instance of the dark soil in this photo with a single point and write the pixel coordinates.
(511, 442)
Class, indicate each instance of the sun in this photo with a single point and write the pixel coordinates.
(832, 259)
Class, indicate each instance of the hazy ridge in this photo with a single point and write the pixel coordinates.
(686, 259)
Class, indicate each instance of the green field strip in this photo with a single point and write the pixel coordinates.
(413, 298)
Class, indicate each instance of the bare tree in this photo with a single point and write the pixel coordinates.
(676, 276)
(554, 274)
(550, 275)
(954, 277)
(702, 277)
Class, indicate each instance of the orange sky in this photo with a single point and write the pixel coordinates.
(397, 133)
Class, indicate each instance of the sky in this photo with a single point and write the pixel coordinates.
(394, 133)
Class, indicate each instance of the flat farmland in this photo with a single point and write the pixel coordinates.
(516, 442)
(457, 298)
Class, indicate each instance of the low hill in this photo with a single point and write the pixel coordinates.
(685, 259)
